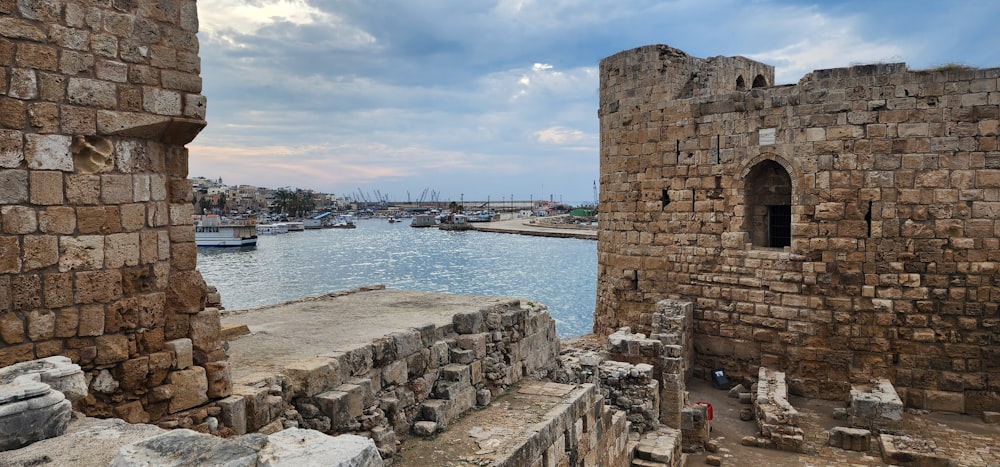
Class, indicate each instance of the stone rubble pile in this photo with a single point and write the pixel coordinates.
(777, 419)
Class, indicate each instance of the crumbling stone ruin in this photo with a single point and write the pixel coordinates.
(97, 251)
(841, 230)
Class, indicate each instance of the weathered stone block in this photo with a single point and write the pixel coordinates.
(48, 152)
(233, 413)
(46, 187)
(190, 388)
(111, 349)
(183, 352)
(205, 330)
(307, 378)
(468, 323)
(220, 381)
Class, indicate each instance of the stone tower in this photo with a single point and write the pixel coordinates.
(841, 229)
(97, 252)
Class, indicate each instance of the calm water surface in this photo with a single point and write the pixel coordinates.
(559, 272)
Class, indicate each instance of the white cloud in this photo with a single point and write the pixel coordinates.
(559, 135)
(224, 20)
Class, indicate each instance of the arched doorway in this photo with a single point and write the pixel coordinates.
(768, 198)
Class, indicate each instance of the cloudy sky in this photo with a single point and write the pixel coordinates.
(498, 98)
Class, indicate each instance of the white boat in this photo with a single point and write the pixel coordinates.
(211, 230)
(296, 226)
(344, 222)
(423, 220)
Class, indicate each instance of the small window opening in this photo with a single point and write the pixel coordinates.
(740, 83)
(665, 198)
(760, 82)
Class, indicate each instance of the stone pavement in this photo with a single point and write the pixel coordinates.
(963, 439)
(537, 228)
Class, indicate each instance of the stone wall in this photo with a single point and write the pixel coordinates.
(842, 229)
(97, 252)
(412, 382)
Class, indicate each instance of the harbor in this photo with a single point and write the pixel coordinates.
(560, 272)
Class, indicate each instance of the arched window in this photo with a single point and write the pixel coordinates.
(740, 83)
(760, 82)
(768, 216)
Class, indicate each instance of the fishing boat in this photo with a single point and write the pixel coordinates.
(393, 220)
(212, 231)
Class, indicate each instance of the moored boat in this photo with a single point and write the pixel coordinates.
(423, 220)
(211, 230)
(344, 221)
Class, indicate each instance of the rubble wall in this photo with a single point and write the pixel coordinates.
(887, 266)
(97, 252)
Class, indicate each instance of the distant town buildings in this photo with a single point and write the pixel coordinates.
(213, 195)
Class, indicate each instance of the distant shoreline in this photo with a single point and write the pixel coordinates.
(523, 227)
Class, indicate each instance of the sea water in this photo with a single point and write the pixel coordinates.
(558, 272)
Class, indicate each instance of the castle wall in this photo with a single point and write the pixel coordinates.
(97, 252)
(891, 181)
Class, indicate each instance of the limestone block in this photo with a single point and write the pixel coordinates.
(111, 349)
(343, 405)
(851, 439)
(160, 364)
(407, 343)
(91, 320)
(307, 378)
(461, 356)
(83, 188)
(12, 329)
(13, 186)
(468, 323)
(132, 412)
(40, 251)
(116, 188)
(81, 252)
(233, 413)
(41, 325)
(161, 101)
(206, 330)
(133, 217)
(57, 220)
(183, 352)
(48, 152)
(297, 446)
(98, 286)
(133, 373)
(190, 388)
(19, 220)
(424, 429)
(395, 373)
(220, 381)
(11, 149)
(186, 292)
(45, 187)
(473, 342)
(121, 250)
